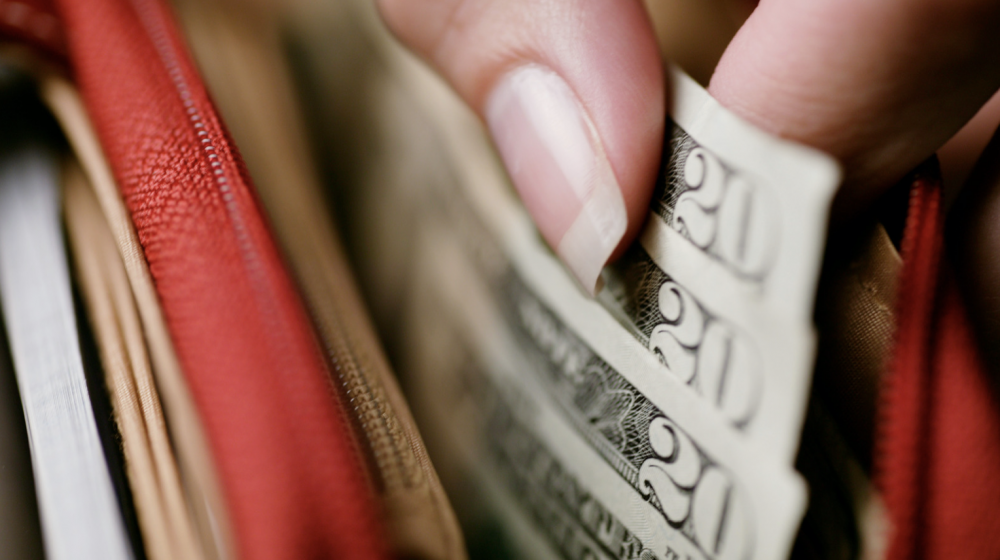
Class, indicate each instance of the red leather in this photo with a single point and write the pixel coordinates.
(937, 455)
(33, 22)
(280, 440)
(291, 475)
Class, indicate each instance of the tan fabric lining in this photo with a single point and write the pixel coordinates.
(204, 500)
(856, 325)
(149, 458)
(238, 50)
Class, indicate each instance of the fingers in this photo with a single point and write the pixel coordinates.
(880, 85)
(573, 95)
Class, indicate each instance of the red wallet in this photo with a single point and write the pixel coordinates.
(292, 477)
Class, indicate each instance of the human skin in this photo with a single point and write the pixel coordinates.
(880, 85)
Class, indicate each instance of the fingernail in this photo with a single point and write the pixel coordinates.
(558, 165)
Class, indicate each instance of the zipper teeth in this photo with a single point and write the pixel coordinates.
(918, 288)
(390, 448)
(157, 32)
(380, 428)
(156, 28)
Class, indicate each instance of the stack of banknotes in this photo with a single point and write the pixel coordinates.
(659, 418)
(666, 416)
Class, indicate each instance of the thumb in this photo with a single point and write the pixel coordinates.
(573, 95)
(879, 85)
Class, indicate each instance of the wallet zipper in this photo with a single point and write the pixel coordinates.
(334, 511)
(900, 448)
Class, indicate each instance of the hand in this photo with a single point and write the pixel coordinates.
(573, 94)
